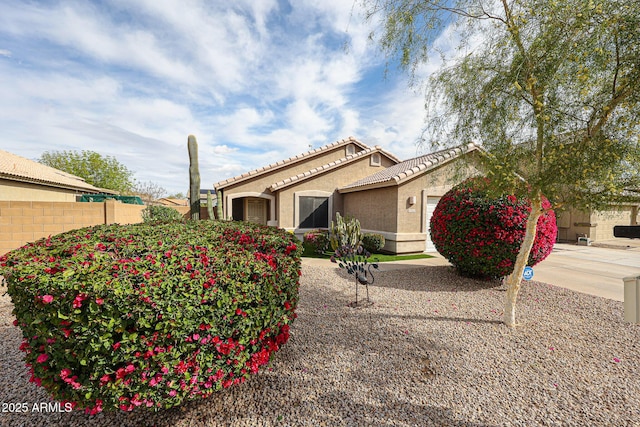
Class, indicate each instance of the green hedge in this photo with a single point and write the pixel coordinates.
(152, 315)
(373, 242)
(160, 213)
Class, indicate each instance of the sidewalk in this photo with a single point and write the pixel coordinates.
(596, 270)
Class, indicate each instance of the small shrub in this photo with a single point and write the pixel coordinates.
(152, 315)
(160, 213)
(315, 242)
(373, 242)
(481, 236)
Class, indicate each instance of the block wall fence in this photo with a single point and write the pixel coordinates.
(22, 222)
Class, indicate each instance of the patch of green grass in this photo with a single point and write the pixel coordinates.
(391, 258)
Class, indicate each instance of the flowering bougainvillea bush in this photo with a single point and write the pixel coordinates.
(152, 315)
(481, 236)
(315, 242)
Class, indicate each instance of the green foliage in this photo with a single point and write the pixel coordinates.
(481, 236)
(315, 242)
(160, 213)
(194, 177)
(548, 88)
(152, 315)
(97, 170)
(373, 242)
(551, 91)
(345, 232)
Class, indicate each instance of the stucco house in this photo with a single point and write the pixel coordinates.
(22, 179)
(390, 197)
(301, 193)
(398, 202)
(304, 192)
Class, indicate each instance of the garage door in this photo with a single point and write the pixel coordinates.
(432, 202)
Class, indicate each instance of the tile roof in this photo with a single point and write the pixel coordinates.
(16, 168)
(172, 201)
(289, 161)
(396, 174)
(329, 166)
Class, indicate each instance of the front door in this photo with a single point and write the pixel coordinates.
(256, 210)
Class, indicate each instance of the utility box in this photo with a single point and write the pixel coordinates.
(584, 241)
(632, 299)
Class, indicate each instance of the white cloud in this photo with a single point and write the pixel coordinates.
(255, 81)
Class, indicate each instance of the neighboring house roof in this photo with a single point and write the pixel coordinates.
(289, 161)
(329, 166)
(16, 168)
(170, 201)
(408, 169)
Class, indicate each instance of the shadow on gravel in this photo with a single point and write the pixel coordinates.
(444, 319)
(427, 279)
(341, 367)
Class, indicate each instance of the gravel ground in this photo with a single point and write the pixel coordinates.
(431, 351)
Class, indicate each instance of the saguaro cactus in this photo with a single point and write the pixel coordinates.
(209, 204)
(219, 205)
(194, 177)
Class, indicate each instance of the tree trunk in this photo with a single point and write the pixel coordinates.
(514, 280)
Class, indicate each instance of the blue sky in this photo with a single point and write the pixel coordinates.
(255, 81)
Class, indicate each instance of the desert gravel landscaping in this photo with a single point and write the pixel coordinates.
(431, 351)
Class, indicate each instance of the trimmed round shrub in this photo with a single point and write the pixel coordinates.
(152, 315)
(481, 236)
(160, 213)
(315, 242)
(373, 242)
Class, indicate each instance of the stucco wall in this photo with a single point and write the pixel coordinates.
(328, 182)
(597, 226)
(375, 209)
(21, 191)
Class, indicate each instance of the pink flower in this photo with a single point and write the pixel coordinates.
(99, 301)
(47, 299)
(172, 393)
(43, 358)
(77, 302)
(616, 360)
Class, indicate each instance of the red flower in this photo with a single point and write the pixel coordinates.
(42, 358)
(77, 302)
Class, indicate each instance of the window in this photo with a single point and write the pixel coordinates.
(314, 212)
(351, 149)
(375, 159)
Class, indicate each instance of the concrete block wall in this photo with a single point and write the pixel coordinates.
(23, 221)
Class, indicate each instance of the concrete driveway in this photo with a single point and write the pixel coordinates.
(596, 270)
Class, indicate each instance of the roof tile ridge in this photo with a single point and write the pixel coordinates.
(301, 156)
(321, 168)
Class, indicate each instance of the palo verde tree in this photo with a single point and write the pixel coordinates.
(96, 169)
(550, 89)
